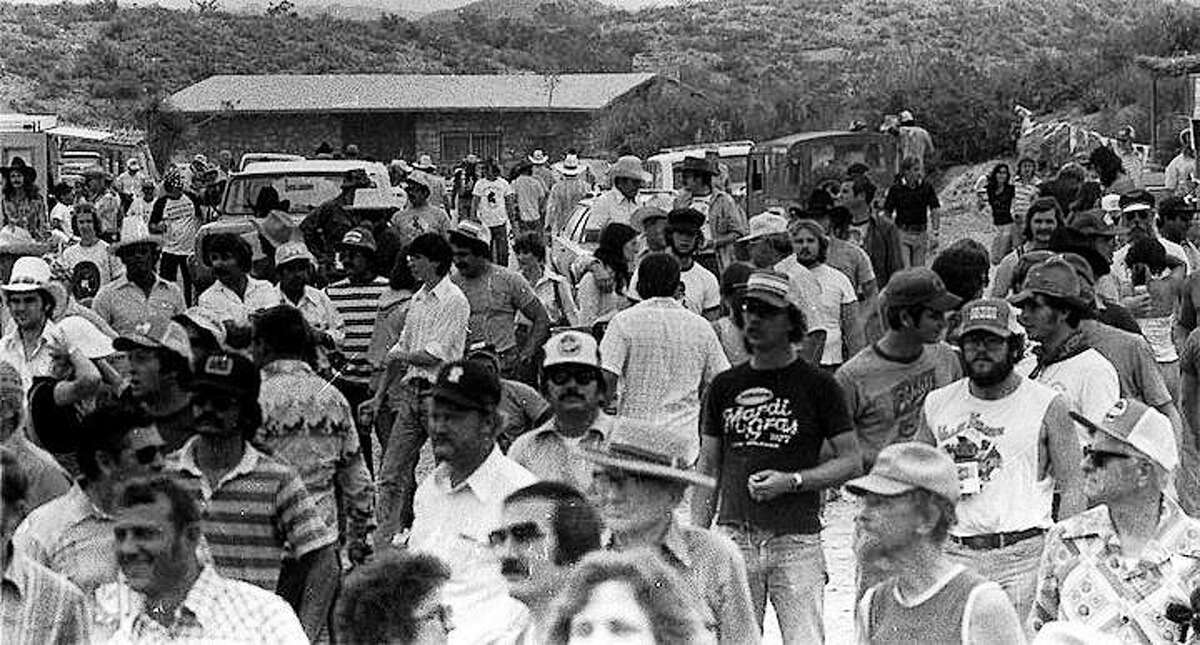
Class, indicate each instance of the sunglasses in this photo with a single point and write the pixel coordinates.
(522, 533)
(1099, 458)
(581, 377)
(146, 456)
(759, 308)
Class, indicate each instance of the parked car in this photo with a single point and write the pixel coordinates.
(259, 157)
(665, 166)
(783, 172)
(581, 234)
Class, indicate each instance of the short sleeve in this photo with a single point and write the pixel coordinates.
(712, 294)
(522, 293)
(298, 519)
(714, 402)
(931, 197)
(614, 348)
(1190, 353)
(846, 287)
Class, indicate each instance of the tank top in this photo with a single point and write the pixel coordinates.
(938, 619)
(994, 443)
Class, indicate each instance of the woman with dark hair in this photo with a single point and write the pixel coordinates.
(618, 253)
(23, 205)
(397, 598)
(1045, 216)
(631, 597)
(997, 195)
(1111, 172)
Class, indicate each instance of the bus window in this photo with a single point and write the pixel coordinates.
(756, 173)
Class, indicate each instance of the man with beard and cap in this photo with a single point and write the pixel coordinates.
(769, 246)
(329, 222)
(641, 476)
(294, 266)
(462, 500)
(574, 385)
(909, 501)
(259, 518)
(1043, 219)
(160, 371)
(763, 426)
(545, 529)
(1014, 447)
(166, 593)
(1052, 304)
(141, 295)
(1141, 218)
(1119, 566)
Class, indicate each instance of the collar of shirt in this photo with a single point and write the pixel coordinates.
(123, 282)
(16, 572)
(252, 285)
(660, 302)
(673, 545)
(1097, 524)
(185, 459)
(308, 296)
(14, 343)
(486, 482)
(81, 505)
(619, 197)
(439, 291)
(598, 431)
(202, 603)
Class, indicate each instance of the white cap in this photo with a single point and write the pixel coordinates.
(29, 274)
(765, 224)
(572, 347)
(1134, 423)
(1110, 203)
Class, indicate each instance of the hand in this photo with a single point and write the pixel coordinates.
(766, 485)
(1138, 306)
(367, 410)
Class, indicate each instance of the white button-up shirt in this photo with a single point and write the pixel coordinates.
(36, 363)
(611, 206)
(437, 323)
(227, 305)
(452, 522)
(318, 312)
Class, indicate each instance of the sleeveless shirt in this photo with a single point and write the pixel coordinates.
(936, 620)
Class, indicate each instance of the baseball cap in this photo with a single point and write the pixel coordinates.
(227, 372)
(902, 467)
(1110, 203)
(919, 286)
(292, 251)
(359, 238)
(571, 348)
(771, 287)
(1174, 206)
(686, 218)
(420, 179)
(468, 384)
(735, 277)
(765, 224)
(1136, 200)
(992, 315)
(1055, 277)
(473, 231)
(1134, 423)
(156, 333)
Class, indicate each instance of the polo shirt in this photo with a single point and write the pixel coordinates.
(123, 305)
(550, 456)
(258, 512)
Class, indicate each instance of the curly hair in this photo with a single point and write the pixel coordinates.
(377, 602)
(964, 269)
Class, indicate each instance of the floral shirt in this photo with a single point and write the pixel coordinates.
(29, 214)
(1084, 578)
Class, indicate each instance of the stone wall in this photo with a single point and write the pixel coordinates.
(293, 133)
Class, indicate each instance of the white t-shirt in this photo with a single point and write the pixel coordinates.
(179, 218)
(836, 291)
(491, 194)
(701, 289)
(1088, 382)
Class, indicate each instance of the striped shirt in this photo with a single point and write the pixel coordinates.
(255, 509)
(357, 303)
(38, 606)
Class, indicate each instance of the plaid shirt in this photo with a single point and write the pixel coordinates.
(308, 424)
(1084, 578)
(38, 606)
(216, 609)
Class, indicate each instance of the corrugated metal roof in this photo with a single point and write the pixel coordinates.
(404, 93)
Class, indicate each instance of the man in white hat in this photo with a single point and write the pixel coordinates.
(908, 509)
(573, 383)
(141, 295)
(914, 140)
(425, 167)
(420, 215)
(764, 424)
(541, 169)
(640, 476)
(770, 248)
(1120, 564)
(566, 192)
(618, 203)
(294, 266)
(28, 345)
(129, 182)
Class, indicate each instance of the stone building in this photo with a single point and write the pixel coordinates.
(392, 116)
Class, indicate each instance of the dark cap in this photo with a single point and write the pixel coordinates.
(1056, 278)
(468, 384)
(359, 238)
(919, 286)
(686, 218)
(227, 372)
(735, 276)
(698, 165)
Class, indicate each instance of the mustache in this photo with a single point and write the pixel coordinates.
(513, 566)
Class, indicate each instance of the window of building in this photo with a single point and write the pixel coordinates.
(456, 145)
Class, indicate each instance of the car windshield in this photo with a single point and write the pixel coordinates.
(304, 191)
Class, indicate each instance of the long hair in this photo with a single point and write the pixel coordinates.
(1042, 205)
(611, 250)
(993, 185)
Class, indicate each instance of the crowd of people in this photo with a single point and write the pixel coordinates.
(415, 427)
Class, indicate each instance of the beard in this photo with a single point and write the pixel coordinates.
(994, 374)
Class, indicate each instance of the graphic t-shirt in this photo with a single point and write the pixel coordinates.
(181, 219)
(772, 420)
(491, 194)
(884, 395)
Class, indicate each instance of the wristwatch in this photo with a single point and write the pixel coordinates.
(797, 480)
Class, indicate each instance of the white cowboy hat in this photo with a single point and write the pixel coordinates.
(569, 166)
(425, 162)
(629, 167)
(538, 157)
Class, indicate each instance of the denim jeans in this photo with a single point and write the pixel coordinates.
(1013, 567)
(397, 471)
(914, 247)
(790, 570)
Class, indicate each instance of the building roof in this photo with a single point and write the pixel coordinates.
(284, 93)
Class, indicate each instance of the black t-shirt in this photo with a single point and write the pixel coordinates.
(911, 203)
(772, 420)
(58, 428)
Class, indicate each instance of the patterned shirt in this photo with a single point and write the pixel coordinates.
(548, 454)
(216, 609)
(29, 214)
(661, 381)
(308, 424)
(38, 606)
(258, 512)
(226, 304)
(437, 324)
(123, 305)
(357, 304)
(611, 206)
(1084, 578)
(73, 537)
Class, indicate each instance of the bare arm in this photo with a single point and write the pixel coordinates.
(1061, 445)
(993, 619)
(704, 500)
(852, 329)
(82, 385)
(847, 463)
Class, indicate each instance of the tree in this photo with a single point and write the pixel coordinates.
(206, 6)
(282, 9)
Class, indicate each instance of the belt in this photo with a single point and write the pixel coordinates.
(995, 540)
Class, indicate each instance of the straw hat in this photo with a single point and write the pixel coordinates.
(645, 448)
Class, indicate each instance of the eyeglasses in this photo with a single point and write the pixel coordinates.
(146, 456)
(582, 377)
(1099, 458)
(441, 613)
(760, 308)
(989, 342)
(522, 533)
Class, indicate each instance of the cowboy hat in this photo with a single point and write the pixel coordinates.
(268, 200)
(15, 240)
(629, 167)
(698, 165)
(645, 448)
(424, 162)
(538, 157)
(569, 166)
(29, 273)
